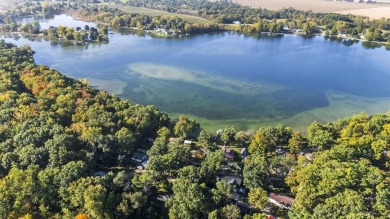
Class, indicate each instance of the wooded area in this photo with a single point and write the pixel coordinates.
(68, 150)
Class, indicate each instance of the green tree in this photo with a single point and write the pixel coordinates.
(258, 198)
(211, 165)
(320, 136)
(180, 206)
(227, 135)
(255, 171)
(96, 201)
(230, 212)
(222, 193)
(296, 143)
(207, 141)
(187, 128)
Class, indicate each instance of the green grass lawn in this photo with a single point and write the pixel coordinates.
(152, 12)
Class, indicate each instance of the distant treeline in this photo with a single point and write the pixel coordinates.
(264, 20)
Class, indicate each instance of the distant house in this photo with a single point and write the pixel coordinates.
(236, 22)
(187, 142)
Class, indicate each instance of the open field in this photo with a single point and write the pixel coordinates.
(152, 12)
(318, 6)
(375, 13)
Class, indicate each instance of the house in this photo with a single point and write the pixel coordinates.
(229, 154)
(234, 167)
(235, 182)
(163, 198)
(280, 151)
(187, 142)
(236, 22)
(232, 180)
(173, 140)
(99, 173)
(280, 200)
(140, 156)
(244, 153)
(145, 162)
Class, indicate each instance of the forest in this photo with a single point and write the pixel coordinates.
(68, 150)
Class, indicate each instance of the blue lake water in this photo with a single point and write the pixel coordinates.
(230, 79)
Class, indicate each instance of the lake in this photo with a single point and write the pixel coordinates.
(227, 78)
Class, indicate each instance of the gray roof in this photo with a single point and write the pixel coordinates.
(232, 180)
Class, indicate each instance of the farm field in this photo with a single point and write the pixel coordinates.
(321, 6)
(375, 13)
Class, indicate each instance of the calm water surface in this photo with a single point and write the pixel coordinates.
(229, 79)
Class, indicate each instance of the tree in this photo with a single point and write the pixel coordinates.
(96, 202)
(131, 202)
(211, 165)
(258, 198)
(332, 175)
(187, 128)
(222, 194)
(348, 204)
(320, 136)
(307, 28)
(81, 216)
(126, 140)
(261, 143)
(180, 206)
(230, 212)
(36, 27)
(296, 143)
(255, 171)
(228, 133)
(242, 137)
(207, 141)
(256, 216)
(266, 139)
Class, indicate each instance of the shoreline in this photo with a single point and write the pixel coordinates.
(158, 34)
(75, 15)
(41, 36)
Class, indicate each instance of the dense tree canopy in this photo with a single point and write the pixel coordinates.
(56, 131)
(66, 148)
